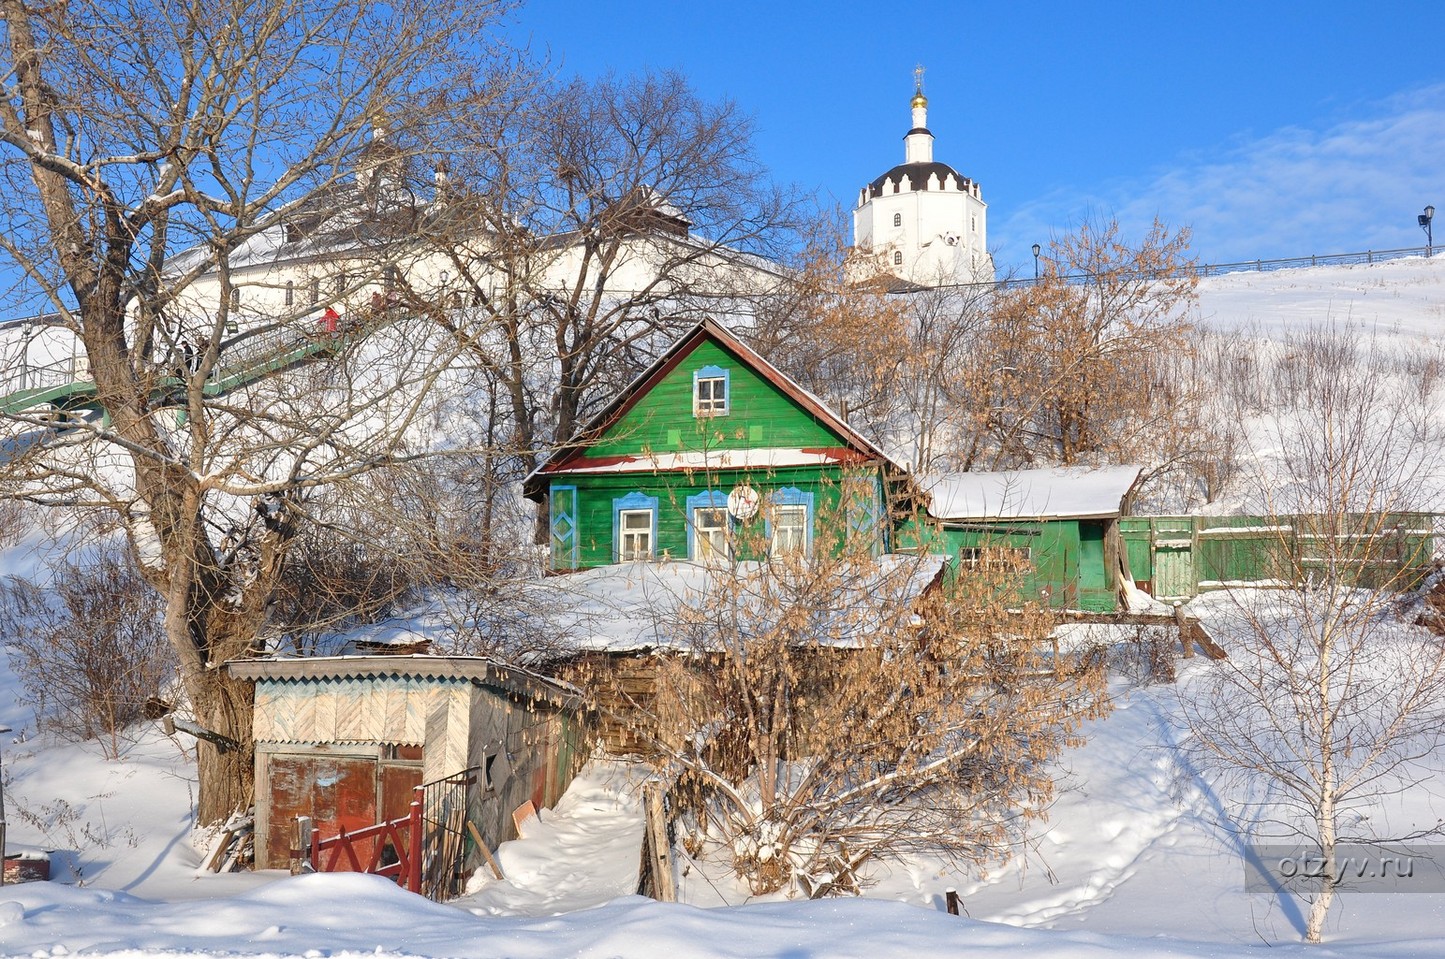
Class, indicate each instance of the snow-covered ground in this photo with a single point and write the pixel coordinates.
(1136, 859)
(1404, 298)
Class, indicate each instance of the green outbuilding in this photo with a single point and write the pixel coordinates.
(1059, 528)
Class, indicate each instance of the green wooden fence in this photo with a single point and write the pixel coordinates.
(1178, 557)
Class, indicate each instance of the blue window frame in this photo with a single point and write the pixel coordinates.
(634, 527)
(709, 533)
(789, 521)
(711, 391)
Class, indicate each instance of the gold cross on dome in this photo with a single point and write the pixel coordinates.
(918, 78)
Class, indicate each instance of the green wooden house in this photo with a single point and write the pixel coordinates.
(1060, 528)
(713, 452)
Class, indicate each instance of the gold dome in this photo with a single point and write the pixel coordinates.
(919, 100)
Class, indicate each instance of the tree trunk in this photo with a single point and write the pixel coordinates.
(1320, 907)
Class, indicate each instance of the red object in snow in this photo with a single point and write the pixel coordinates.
(31, 867)
(329, 319)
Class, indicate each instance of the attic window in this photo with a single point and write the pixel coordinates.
(710, 392)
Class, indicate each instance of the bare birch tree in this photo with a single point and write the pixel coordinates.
(1329, 702)
(130, 130)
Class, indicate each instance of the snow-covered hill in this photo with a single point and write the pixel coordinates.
(1399, 299)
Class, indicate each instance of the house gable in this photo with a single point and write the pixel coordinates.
(654, 424)
(757, 414)
(650, 477)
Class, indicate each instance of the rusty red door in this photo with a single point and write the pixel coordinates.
(336, 792)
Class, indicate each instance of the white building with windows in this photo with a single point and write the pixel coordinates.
(923, 221)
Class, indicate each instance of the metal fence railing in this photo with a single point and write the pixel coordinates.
(23, 376)
(1216, 269)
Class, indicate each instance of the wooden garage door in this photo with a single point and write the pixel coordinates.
(336, 792)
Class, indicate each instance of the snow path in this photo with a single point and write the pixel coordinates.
(581, 854)
(1126, 832)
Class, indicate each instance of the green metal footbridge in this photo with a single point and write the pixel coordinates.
(244, 358)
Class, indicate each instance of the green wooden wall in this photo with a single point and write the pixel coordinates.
(759, 416)
(596, 495)
(1066, 557)
(1180, 556)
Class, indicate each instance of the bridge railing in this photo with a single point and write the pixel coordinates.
(19, 377)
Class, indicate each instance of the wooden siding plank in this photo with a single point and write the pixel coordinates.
(324, 719)
(753, 402)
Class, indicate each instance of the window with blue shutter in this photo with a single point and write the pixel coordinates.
(634, 527)
(710, 391)
(789, 522)
(708, 530)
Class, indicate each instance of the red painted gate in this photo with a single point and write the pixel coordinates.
(392, 849)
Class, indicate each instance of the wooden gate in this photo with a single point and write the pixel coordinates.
(425, 851)
(392, 849)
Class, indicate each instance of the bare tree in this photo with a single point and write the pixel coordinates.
(131, 130)
(1066, 374)
(829, 712)
(90, 649)
(1328, 702)
(584, 227)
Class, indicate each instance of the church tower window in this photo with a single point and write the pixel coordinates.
(897, 257)
(898, 219)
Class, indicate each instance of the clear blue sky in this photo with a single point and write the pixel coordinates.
(1272, 128)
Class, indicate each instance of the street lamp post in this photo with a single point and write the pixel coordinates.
(1037, 248)
(1425, 219)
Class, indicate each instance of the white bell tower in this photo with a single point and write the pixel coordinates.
(922, 221)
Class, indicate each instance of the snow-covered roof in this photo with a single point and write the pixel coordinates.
(1076, 492)
(635, 606)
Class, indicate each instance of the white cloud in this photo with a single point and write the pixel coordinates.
(1354, 186)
